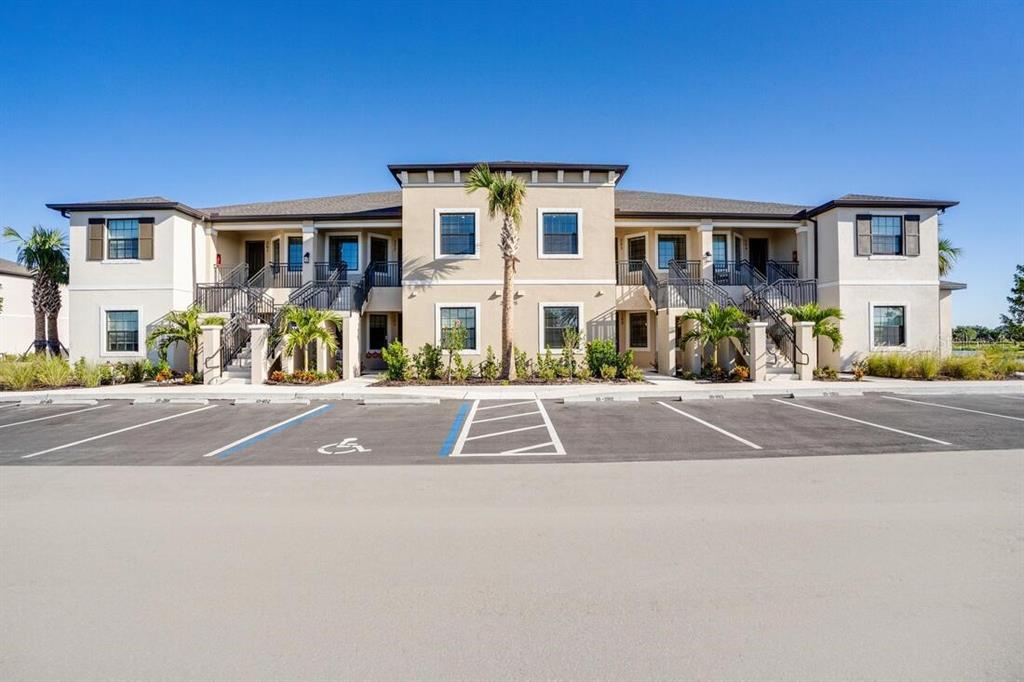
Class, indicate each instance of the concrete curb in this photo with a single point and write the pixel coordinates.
(57, 400)
(171, 401)
(270, 401)
(400, 401)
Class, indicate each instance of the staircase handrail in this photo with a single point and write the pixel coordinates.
(782, 333)
(782, 270)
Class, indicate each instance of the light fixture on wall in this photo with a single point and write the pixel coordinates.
(305, 258)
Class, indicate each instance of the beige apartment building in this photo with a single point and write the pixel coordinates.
(404, 264)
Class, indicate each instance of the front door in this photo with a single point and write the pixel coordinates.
(759, 254)
(637, 247)
(254, 256)
(379, 258)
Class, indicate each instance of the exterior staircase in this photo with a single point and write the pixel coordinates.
(239, 369)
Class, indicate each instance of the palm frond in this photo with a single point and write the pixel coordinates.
(948, 256)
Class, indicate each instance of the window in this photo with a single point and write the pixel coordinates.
(465, 317)
(294, 254)
(344, 250)
(560, 234)
(719, 248)
(555, 319)
(886, 234)
(122, 238)
(457, 234)
(670, 247)
(122, 331)
(889, 325)
(378, 331)
(638, 330)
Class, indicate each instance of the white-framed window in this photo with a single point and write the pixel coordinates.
(457, 233)
(888, 325)
(121, 333)
(554, 319)
(637, 331)
(466, 315)
(559, 233)
(123, 239)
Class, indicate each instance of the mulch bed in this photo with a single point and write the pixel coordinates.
(516, 382)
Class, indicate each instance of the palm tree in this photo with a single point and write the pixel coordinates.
(306, 325)
(504, 195)
(715, 324)
(179, 326)
(821, 317)
(45, 253)
(948, 256)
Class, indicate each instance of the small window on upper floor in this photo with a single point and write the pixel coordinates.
(560, 234)
(122, 238)
(457, 234)
(886, 235)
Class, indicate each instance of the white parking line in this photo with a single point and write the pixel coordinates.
(551, 429)
(253, 436)
(506, 416)
(52, 416)
(951, 407)
(114, 433)
(495, 407)
(7, 405)
(712, 426)
(861, 421)
(502, 433)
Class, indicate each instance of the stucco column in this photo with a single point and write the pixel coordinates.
(692, 350)
(350, 346)
(322, 354)
(805, 342)
(704, 232)
(666, 341)
(757, 346)
(209, 354)
(309, 246)
(803, 237)
(258, 346)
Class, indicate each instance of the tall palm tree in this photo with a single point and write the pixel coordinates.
(505, 196)
(303, 326)
(715, 324)
(45, 253)
(179, 326)
(948, 256)
(822, 319)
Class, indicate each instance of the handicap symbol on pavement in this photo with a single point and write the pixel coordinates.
(345, 447)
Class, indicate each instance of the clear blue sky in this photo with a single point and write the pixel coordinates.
(783, 102)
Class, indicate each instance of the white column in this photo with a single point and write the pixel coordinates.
(258, 346)
(322, 355)
(805, 342)
(351, 346)
(666, 341)
(692, 351)
(704, 232)
(209, 355)
(805, 268)
(757, 346)
(308, 246)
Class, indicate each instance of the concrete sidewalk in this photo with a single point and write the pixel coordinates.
(657, 387)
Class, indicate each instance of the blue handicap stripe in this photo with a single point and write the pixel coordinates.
(255, 439)
(453, 433)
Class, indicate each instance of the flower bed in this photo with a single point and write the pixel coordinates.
(301, 378)
(993, 364)
(39, 372)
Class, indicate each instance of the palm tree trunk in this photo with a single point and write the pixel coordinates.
(40, 314)
(52, 335)
(508, 366)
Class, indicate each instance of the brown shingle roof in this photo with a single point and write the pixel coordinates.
(9, 267)
(632, 202)
(368, 204)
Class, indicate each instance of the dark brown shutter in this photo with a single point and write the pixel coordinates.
(145, 239)
(863, 235)
(912, 235)
(94, 239)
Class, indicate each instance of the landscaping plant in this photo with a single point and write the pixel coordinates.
(600, 352)
(53, 371)
(570, 343)
(490, 370)
(398, 361)
(505, 195)
(45, 253)
(179, 326)
(453, 340)
(306, 325)
(428, 362)
(822, 319)
(715, 324)
(609, 372)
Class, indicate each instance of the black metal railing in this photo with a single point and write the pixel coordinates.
(684, 292)
(383, 273)
(782, 270)
(629, 272)
(762, 304)
(332, 270)
(654, 288)
(232, 275)
(276, 275)
(688, 269)
(737, 273)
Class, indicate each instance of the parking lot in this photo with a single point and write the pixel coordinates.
(460, 432)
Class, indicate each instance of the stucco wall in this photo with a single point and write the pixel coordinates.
(17, 320)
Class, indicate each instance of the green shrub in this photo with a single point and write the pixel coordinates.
(633, 373)
(570, 343)
(18, 375)
(824, 373)
(398, 361)
(600, 352)
(461, 370)
(927, 365)
(87, 374)
(106, 374)
(965, 367)
(624, 362)
(524, 368)
(428, 362)
(583, 372)
(53, 372)
(490, 368)
(609, 372)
